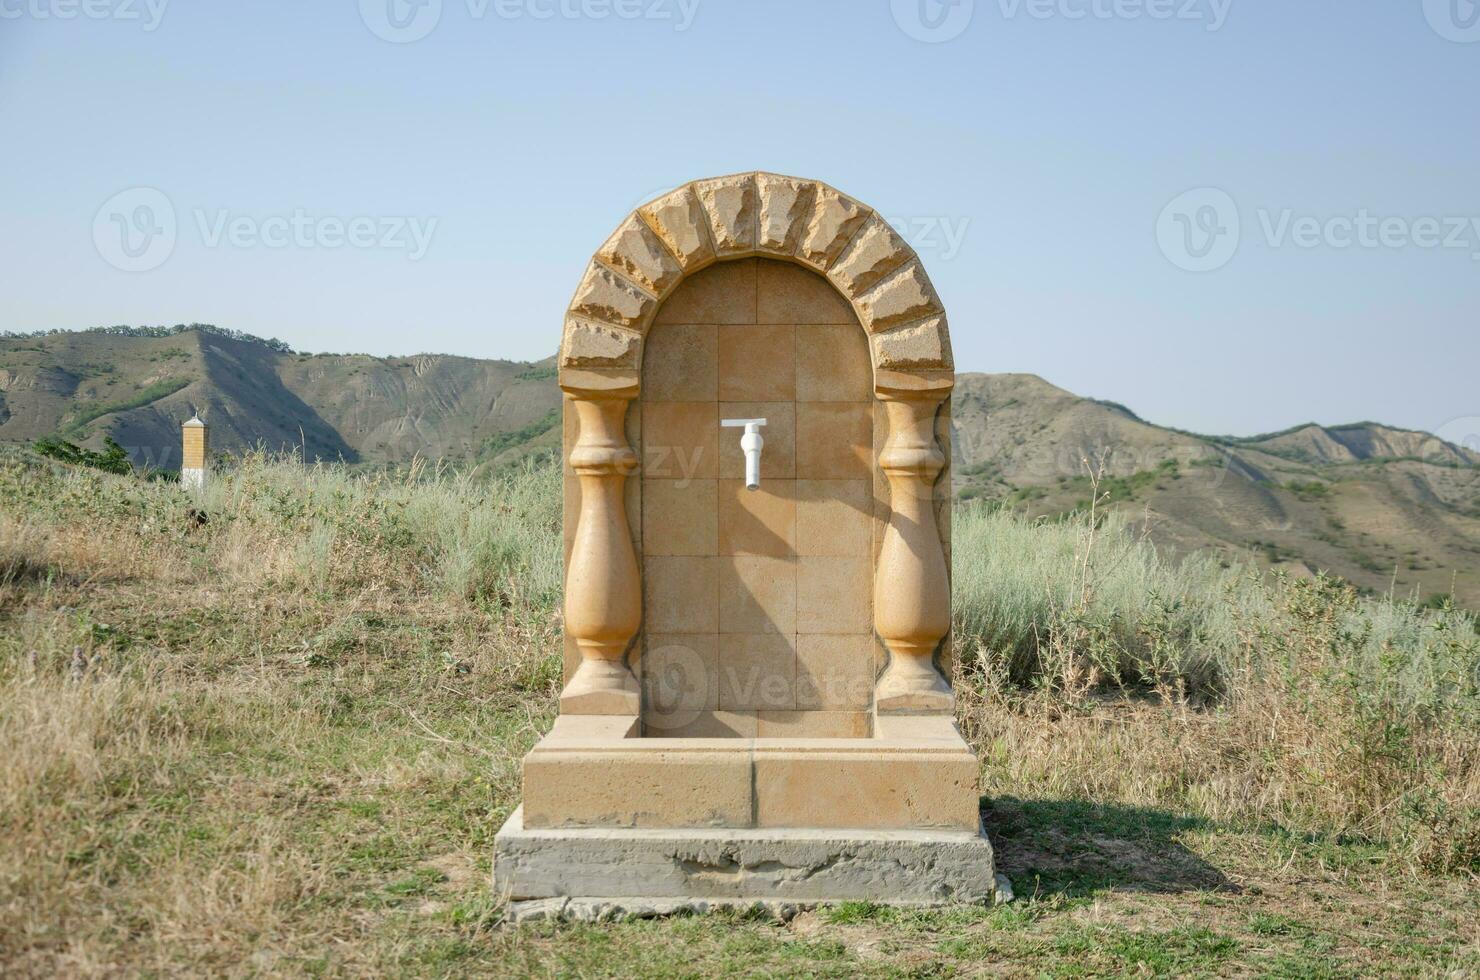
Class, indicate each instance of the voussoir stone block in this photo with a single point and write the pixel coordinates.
(903, 296)
(677, 218)
(875, 251)
(834, 220)
(785, 203)
(603, 295)
(635, 251)
(730, 204)
(924, 345)
(599, 345)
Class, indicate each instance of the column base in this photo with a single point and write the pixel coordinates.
(603, 871)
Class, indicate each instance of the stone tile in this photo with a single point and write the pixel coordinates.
(834, 595)
(649, 789)
(789, 293)
(757, 595)
(680, 595)
(757, 363)
(834, 441)
(900, 791)
(757, 522)
(699, 724)
(835, 671)
(833, 364)
(680, 440)
(834, 518)
(757, 670)
(680, 672)
(722, 293)
(680, 517)
(681, 363)
(778, 456)
(813, 724)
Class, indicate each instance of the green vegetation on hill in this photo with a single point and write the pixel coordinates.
(279, 724)
(123, 330)
(148, 396)
(518, 437)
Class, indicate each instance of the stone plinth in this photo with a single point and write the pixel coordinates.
(799, 865)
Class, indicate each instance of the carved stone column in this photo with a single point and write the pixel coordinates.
(603, 593)
(912, 599)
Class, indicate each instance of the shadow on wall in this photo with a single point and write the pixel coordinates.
(1077, 848)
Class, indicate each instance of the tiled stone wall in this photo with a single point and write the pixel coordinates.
(757, 604)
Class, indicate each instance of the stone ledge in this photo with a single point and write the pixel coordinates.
(626, 908)
(636, 867)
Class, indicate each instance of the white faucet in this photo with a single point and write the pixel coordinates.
(750, 444)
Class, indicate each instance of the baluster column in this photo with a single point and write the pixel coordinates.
(603, 592)
(912, 600)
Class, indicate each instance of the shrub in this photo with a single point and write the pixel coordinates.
(113, 459)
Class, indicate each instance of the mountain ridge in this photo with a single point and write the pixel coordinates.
(1380, 505)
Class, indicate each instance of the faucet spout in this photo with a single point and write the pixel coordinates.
(750, 444)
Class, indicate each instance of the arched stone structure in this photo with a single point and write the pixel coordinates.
(623, 803)
(745, 215)
(654, 250)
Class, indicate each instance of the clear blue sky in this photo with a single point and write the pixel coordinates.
(1030, 158)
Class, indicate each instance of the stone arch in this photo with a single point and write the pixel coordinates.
(743, 216)
(660, 244)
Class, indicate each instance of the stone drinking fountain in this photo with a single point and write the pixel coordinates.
(754, 705)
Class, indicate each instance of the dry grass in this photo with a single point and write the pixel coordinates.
(1293, 703)
(279, 742)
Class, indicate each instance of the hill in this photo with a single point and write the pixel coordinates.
(351, 407)
(1377, 505)
(1382, 507)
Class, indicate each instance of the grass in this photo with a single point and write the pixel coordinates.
(272, 732)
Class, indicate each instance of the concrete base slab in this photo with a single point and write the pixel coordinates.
(632, 868)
